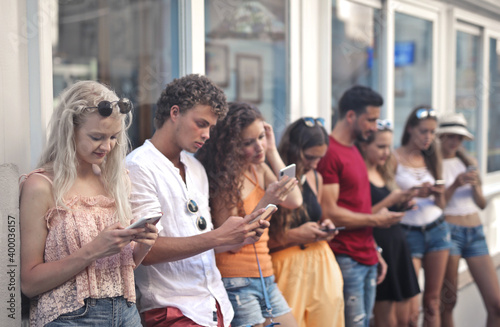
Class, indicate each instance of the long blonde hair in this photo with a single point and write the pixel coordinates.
(59, 155)
(387, 170)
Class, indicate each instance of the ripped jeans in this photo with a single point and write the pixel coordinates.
(360, 285)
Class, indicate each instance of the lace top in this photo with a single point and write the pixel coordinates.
(68, 230)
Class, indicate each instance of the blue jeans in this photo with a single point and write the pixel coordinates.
(360, 285)
(112, 312)
(468, 241)
(248, 302)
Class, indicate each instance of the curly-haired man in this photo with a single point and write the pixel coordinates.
(179, 282)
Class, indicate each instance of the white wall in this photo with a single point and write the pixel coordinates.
(14, 100)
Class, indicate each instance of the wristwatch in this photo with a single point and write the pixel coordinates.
(379, 249)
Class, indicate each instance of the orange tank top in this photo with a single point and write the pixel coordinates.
(243, 263)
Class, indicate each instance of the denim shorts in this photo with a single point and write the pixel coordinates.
(115, 312)
(431, 240)
(248, 301)
(468, 241)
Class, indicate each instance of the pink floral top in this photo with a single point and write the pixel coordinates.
(68, 231)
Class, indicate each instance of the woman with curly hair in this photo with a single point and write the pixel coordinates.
(240, 183)
(305, 267)
(77, 260)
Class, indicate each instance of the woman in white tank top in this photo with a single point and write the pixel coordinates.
(464, 198)
(427, 235)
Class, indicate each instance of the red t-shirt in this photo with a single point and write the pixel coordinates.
(345, 166)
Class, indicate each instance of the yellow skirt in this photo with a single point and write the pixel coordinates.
(312, 284)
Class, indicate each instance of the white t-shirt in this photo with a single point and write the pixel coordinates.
(192, 284)
(462, 202)
(426, 211)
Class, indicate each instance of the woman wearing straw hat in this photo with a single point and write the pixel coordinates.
(464, 196)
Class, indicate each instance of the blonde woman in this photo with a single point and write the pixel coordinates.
(400, 284)
(77, 259)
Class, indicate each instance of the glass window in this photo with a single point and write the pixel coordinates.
(355, 50)
(494, 107)
(413, 68)
(467, 99)
(131, 45)
(246, 53)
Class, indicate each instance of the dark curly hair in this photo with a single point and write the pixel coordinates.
(223, 156)
(357, 98)
(186, 92)
(297, 138)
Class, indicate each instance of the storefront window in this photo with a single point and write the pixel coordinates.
(467, 100)
(131, 45)
(494, 107)
(246, 53)
(355, 50)
(413, 68)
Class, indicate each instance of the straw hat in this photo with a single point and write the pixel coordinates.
(454, 123)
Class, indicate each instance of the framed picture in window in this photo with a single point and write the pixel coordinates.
(249, 78)
(216, 63)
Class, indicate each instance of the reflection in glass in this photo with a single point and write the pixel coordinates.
(355, 59)
(494, 107)
(413, 68)
(246, 53)
(466, 97)
(131, 45)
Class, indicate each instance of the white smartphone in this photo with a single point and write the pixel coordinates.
(288, 171)
(270, 209)
(148, 219)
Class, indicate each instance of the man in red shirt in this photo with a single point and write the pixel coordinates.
(346, 201)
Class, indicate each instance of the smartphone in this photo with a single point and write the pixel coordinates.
(332, 230)
(410, 207)
(471, 168)
(439, 182)
(288, 171)
(270, 209)
(149, 219)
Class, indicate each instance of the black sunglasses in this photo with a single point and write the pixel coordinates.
(201, 222)
(105, 108)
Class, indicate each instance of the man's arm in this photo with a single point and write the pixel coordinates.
(234, 232)
(345, 217)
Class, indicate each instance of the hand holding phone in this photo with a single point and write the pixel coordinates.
(148, 219)
(288, 171)
(332, 230)
(439, 182)
(270, 209)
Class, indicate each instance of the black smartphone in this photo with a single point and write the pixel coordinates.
(332, 230)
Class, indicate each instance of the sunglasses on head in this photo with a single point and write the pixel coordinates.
(105, 108)
(310, 122)
(192, 207)
(424, 113)
(384, 125)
